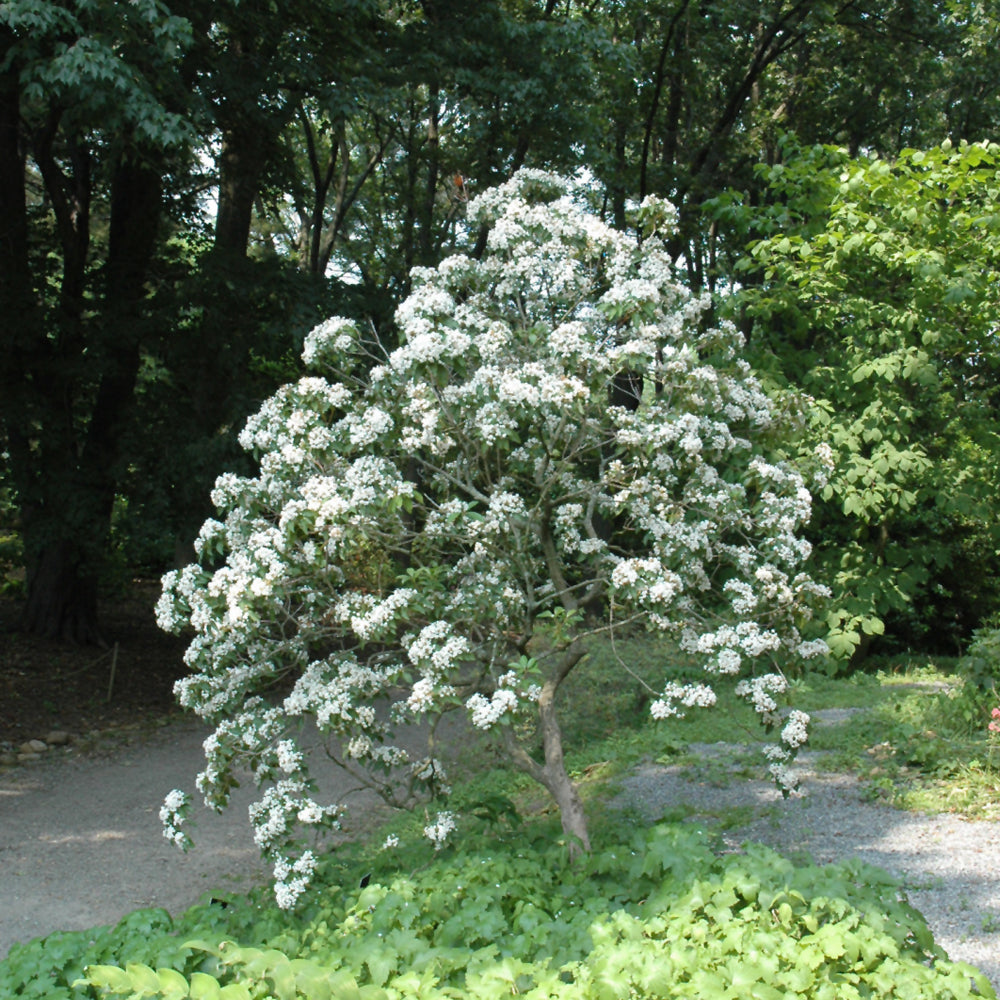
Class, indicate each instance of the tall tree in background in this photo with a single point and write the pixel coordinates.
(234, 310)
(713, 85)
(184, 189)
(92, 118)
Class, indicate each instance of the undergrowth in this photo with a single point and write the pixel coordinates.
(660, 914)
(651, 913)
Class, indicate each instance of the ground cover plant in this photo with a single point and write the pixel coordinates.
(513, 888)
(659, 914)
(562, 449)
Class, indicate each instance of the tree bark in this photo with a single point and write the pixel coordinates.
(62, 597)
(552, 774)
(67, 512)
(241, 164)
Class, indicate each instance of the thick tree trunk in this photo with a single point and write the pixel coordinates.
(67, 504)
(62, 596)
(241, 163)
(61, 600)
(15, 286)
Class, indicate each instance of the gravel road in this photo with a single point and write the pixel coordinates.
(80, 840)
(950, 866)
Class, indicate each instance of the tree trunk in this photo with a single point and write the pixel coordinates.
(554, 776)
(62, 596)
(66, 510)
(241, 164)
(553, 773)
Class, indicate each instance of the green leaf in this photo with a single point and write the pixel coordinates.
(872, 626)
(109, 977)
(204, 987)
(144, 980)
(171, 984)
(234, 991)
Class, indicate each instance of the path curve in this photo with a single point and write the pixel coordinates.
(81, 843)
(81, 846)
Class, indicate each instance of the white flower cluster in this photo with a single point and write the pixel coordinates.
(274, 816)
(794, 734)
(439, 831)
(173, 814)
(511, 694)
(760, 691)
(677, 697)
(334, 336)
(486, 712)
(409, 530)
(291, 879)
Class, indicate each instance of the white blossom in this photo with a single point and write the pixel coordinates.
(439, 831)
(427, 537)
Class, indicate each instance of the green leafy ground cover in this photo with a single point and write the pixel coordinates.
(657, 915)
(655, 912)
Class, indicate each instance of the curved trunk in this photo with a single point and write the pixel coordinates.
(552, 774)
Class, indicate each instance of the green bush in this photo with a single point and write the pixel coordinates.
(979, 670)
(661, 916)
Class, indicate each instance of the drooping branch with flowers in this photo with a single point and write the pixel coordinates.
(453, 523)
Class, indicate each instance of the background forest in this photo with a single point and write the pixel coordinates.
(187, 189)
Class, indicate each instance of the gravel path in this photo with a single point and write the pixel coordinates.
(80, 840)
(81, 843)
(949, 866)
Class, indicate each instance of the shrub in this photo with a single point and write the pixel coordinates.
(660, 916)
(562, 448)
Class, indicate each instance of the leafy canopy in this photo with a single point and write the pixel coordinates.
(875, 289)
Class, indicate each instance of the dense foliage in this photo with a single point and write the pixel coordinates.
(659, 916)
(875, 290)
(184, 188)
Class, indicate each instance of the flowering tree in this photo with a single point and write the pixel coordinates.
(561, 447)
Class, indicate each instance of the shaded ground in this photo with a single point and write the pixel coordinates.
(46, 686)
(81, 843)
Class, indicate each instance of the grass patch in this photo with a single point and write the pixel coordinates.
(917, 734)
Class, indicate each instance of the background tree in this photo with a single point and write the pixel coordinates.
(92, 115)
(705, 89)
(878, 296)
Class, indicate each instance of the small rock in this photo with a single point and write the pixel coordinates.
(6, 759)
(34, 746)
(57, 738)
(28, 757)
